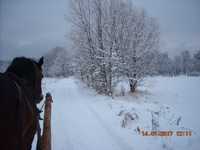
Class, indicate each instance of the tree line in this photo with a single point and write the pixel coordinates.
(59, 62)
(185, 63)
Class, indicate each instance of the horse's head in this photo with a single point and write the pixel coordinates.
(30, 71)
(38, 96)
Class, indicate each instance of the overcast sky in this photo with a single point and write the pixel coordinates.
(32, 27)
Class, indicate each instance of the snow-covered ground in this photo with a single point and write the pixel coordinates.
(84, 120)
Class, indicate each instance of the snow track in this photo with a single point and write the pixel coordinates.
(77, 126)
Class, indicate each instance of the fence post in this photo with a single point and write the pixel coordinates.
(46, 136)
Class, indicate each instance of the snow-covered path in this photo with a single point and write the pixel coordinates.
(84, 120)
(76, 124)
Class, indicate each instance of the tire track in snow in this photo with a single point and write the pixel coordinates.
(118, 140)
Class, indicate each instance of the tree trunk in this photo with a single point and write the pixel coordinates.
(133, 84)
(46, 136)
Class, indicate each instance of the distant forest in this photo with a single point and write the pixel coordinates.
(61, 63)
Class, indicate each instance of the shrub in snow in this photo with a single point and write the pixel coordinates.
(155, 120)
(128, 119)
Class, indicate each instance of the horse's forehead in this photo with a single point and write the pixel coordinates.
(37, 67)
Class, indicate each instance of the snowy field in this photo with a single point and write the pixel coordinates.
(84, 120)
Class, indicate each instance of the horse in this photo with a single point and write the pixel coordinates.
(20, 92)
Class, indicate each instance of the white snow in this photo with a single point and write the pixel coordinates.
(84, 120)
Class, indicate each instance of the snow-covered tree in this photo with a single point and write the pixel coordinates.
(196, 61)
(177, 65)
(58, 63)
(166, 66)
(112, 39)
(186, 62)
(138, 48)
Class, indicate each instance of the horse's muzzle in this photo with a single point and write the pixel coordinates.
(39, 99)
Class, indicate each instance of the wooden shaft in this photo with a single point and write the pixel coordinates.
(46, 136)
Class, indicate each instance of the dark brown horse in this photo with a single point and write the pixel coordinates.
(20, 91)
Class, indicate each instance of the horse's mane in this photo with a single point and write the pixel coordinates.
(23, 68)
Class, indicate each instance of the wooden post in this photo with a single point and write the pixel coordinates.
(46, 136)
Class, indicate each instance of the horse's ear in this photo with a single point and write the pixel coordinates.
(41, 61)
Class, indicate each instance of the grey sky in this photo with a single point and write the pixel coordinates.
(179, 22)
(32, 27)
